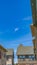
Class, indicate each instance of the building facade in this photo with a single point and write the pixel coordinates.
(10, 57)
(34, 35)
(34, 25)
(25, 55)
(34, 11)
(2, 55)
(34, 28)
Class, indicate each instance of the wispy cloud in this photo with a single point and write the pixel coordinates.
(16, 29)
(27, 18)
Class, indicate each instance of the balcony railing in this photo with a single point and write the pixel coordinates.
(27, 61)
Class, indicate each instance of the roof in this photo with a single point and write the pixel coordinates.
(2, 48)
(10, 52)
(25, 50)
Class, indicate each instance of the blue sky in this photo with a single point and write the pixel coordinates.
(15, 20)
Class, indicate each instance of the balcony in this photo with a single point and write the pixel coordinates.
(24, 60)
(28, 62)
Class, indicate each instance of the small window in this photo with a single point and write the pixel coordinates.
(23, 56)
(27, 56)
(20, 56)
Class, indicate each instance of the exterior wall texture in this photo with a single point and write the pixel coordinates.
(28, 63)
(34, 34)
(3, 58)
(10, 57)
(9, 60)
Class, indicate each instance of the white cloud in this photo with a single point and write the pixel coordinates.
(28, 18)
(16, 29)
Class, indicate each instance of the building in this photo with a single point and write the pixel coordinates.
(34, 11)
(34, 35)
(6, 56)
(25, 55)
(2, 55)
(34, 25)
(34, 28)
(10, 57)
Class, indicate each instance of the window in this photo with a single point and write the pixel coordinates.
(22, 57)
(27, 56)
(32, 57)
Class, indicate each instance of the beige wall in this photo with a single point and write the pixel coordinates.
(10, 60)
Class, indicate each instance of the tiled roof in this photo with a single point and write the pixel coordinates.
(10, 52)
(25, 50)
(2, 48)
